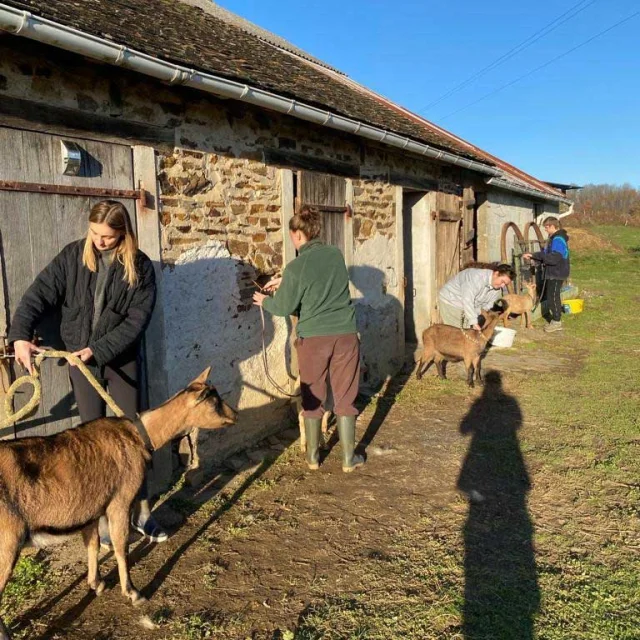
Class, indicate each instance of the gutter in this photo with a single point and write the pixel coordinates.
(25, 24)
(501, 183)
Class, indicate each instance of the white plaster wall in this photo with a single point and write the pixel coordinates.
(502, 207)
(203, 328)
(379, 313)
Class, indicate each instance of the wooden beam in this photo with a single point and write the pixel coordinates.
(412, 182)
(26, 114)
(148, 231)
(297, 160)
(348, 232)
(399, 266)
(286, 213)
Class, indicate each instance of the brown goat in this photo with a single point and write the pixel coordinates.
(520, 304)
(443, 343)
(57, 485)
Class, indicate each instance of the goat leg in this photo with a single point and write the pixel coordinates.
(118, 514)
(419, 370)
(478, 372)
(91, 539)
(13, 533)
(468, 365)
(303, 433)
(440, 367)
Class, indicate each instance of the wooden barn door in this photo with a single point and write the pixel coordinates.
(34, 227)
(328, 194)
(448, 215)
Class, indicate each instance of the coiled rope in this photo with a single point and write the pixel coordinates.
(34, 380)
(265, 361)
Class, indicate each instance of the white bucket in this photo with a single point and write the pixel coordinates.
(503, 337)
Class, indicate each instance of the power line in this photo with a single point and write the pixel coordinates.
(542, 66)
(525, 44)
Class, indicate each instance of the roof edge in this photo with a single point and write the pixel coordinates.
(25, 24)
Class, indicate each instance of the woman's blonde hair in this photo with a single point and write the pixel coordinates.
(307, 220)
(115, 215)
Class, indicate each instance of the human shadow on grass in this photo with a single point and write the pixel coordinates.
(501, 594)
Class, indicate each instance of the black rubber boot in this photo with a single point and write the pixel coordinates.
(347, 433)
(312, 428)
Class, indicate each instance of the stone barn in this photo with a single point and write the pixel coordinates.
(212, 131)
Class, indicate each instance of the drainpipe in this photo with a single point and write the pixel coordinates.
(25, 24)
(534, 193)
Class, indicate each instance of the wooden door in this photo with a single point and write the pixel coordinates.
(34, 227)
(449, 223)
(328, 194)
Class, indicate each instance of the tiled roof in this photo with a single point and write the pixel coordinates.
(186, 35)
(242, 23)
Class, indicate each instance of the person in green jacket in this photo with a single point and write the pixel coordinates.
(315, 287)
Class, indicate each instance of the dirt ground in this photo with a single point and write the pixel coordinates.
(261, 546)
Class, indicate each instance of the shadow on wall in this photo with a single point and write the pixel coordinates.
(501, 587)
(379, 318)
(210, 320)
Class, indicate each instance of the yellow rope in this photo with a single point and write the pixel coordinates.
(34, 380)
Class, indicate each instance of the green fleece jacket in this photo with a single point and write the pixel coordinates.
(315, 287)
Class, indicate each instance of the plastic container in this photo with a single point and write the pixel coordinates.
(575, 305)
(503, 337)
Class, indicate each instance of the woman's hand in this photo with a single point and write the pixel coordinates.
(258, 298)
(23, 350)
(84, 355)
(273, 284)
(476, 327)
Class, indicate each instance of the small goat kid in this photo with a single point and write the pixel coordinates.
(443, 343)
(520, 304)
(57, 485)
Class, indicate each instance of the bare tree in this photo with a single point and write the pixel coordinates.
(606, 204)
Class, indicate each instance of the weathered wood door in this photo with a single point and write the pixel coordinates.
(34, 227)
(328, 194)
(448, 229)
(449, 217)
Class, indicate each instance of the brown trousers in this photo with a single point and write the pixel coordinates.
(335, 356)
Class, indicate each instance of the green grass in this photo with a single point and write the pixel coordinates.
(580, 444)
(626, 237)
(28, 579)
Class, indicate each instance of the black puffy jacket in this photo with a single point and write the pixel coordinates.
(66, 284)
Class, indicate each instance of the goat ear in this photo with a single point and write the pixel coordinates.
(202, 378)
(203, 395)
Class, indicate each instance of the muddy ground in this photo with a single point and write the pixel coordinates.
(260, 548)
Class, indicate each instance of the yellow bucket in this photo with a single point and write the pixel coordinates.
(575, 306)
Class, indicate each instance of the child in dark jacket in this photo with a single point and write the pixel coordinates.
(555, 258)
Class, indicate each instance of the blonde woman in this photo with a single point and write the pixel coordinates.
(105, 289)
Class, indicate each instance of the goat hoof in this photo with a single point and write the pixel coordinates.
(135, 597)
(97, 586)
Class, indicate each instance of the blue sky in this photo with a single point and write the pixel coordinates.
(577, 120)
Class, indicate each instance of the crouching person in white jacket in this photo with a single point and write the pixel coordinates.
(464, 296)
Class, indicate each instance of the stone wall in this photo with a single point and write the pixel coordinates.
(376, 283)
(499, 208)
(221, 220)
